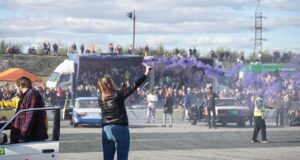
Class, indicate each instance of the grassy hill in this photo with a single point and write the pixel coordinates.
(41, 66)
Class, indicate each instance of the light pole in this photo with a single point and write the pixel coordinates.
(131, 15)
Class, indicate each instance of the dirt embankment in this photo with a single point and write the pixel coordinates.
(38, 65)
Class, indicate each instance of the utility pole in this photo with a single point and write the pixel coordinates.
(131, 15)
(258, 27)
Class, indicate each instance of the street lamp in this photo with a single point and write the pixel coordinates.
(131, 15)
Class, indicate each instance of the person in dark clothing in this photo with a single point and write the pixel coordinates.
(55, 49)
(82, 48)
(60, 98)
(86, 91)
(168, 108)
(115, 132)
(28, 126)
(211, 103)
(69, 93)
(279, 116)
(49, 97)
(186, 103)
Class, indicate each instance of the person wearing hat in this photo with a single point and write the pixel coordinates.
(259, 120)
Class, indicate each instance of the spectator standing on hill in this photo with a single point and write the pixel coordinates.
(82, 48)
(74, 48)
(55, 49)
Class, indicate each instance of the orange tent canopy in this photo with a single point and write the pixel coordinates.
(13, 74)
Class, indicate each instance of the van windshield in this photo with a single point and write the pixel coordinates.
(54, 76)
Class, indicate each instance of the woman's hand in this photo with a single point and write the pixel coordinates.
(148, 69)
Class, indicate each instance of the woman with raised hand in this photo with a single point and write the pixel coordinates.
(115, 132)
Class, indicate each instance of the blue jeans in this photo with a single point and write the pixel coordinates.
(115, 137)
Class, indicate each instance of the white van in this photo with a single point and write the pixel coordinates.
(62, 76)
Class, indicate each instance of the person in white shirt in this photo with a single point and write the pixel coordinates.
(151, 100)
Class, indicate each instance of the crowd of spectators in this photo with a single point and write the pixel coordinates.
(279, 57)
(13, 50)
(274, 86)
(48, 50)
(52, 96)
(178, 79)
(6, 91)
(84, 49)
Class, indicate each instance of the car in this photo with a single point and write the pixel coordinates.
(33, 150)
(86, 111)
(294, 114)
(230, 110)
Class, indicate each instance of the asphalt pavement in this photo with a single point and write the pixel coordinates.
(183, 141)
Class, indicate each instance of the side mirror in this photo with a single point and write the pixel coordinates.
(3, 138)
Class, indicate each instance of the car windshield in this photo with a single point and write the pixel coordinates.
(227, 102)
(88, 104)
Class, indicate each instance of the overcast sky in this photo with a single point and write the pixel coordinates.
(203, 24)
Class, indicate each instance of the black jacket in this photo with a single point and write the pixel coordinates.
(168, 104)
(114, 110)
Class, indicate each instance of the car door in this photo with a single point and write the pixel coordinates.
(46, 150)
(38, 150)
